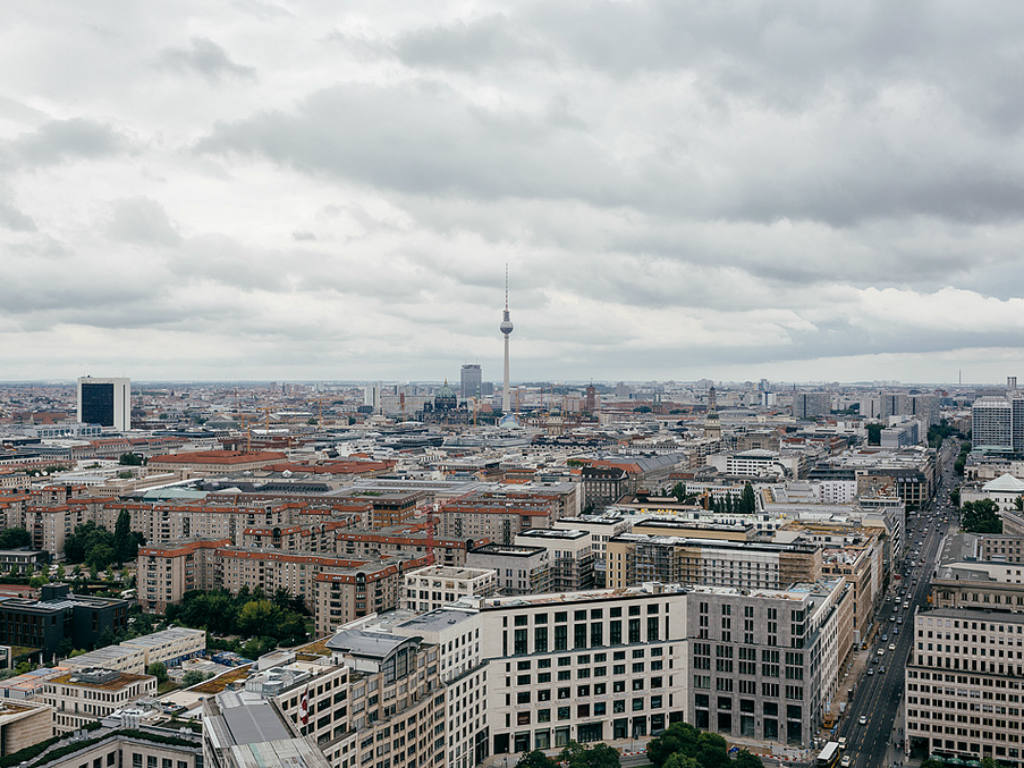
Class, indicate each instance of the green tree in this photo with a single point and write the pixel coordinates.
(745, 759)
(256, 616)
(981, 517)
(536, 759)
(679, 760)
(158, 670)
(678, 738)
(1019, 503)
(13, 538)
(748, 503)
(932, 762)
(126, 542)
(130, 460)
(712, 751)
(679, 491)
(99, 557)
(988, 762)
(954, 496)
(194, 677)
(576, 755)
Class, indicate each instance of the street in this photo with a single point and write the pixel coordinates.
(878, 697)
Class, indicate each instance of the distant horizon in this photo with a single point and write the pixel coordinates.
(515, 383)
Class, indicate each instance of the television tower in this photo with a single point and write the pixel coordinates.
(506, 330)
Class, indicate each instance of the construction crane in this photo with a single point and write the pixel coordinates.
(266, 416)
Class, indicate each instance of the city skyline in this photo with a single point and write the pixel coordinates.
(674, 207)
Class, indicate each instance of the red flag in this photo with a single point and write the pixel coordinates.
(304, 707)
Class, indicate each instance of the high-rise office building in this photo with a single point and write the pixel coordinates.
(470, 382)
(810, 405)
(107, 402)
(992, 423)
(1011, 382)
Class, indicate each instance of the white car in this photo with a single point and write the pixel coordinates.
(881, 651)
(863, 720)
(892, 646)
(846, 762)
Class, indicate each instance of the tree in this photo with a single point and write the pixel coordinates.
(13, 538)
(1019, 503)
(576, 755)
(748, 503)
(745, 759)
(679, 491)
(194, 677)
(536, 759)
(678, 738)
(981, 517)
(954, 496)
(126, 542)
(932, 762)
(255, 617)
(130, 460)
(988, 762)
(158, 670)
(679, 760)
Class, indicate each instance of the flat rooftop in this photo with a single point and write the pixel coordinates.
(438, 620)
(554, 533)
(450, 572)
(507, 550)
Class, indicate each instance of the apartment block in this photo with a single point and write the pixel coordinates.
(343, 595)
(434, 586)
(570, 556)
(396, 703)
(634, 558)
(23, 724)
(385, 542)
(601, 529)
(166, 572)
(520, 569)
(497, 517)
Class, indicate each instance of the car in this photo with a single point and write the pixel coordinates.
(846, 762)
(895, 630)
(892, 646)
(881, 670)
(892, 618)
(885, 638)
(881, 651)
(871, 670)
(899, 620)
(863, 719)
(842, 742)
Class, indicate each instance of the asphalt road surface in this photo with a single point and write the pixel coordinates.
(877, 697)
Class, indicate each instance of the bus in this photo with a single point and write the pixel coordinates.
(829, 756)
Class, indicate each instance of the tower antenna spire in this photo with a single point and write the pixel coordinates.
(506, 286)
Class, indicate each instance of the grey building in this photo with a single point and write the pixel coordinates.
(521, 570)
(764, 663)
(470, 381)
(992, 423)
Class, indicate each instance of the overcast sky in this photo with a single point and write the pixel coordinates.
(303, 190)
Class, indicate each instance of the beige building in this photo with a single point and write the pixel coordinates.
(347, 594)
(82, 696)
(167, 571)
(396, 705)
(434, 586)
(634, 558)
(169, 646)
(964, 682)
(131, 745)
(22, 725)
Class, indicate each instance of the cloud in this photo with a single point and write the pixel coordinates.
(206, 58)
(59, 140)
(143, 221)
(681, 189)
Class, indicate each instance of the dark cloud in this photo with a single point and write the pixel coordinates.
(206, 58)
